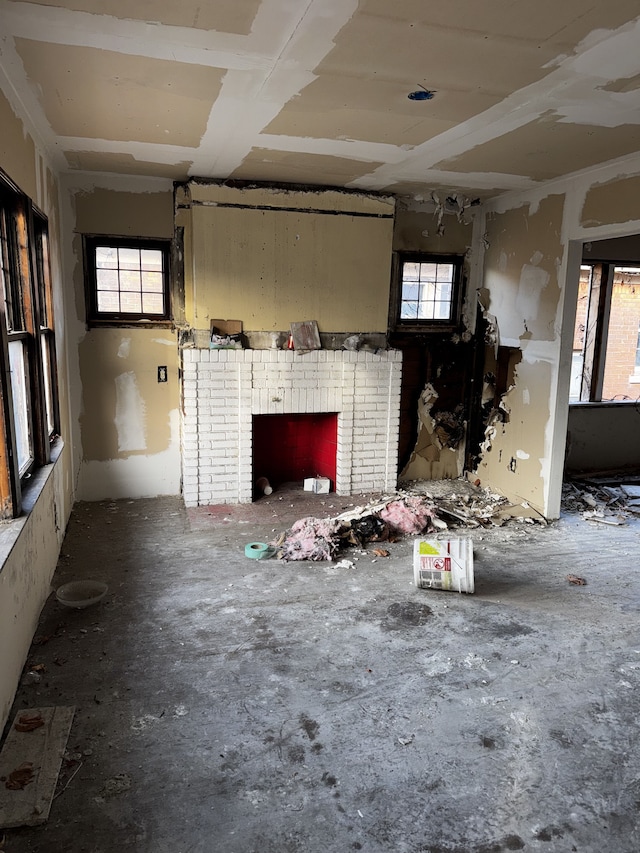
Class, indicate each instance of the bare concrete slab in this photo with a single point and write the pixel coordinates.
(231, 705)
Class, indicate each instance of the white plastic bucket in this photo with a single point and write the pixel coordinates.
(443, 564)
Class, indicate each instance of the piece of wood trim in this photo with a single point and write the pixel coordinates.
(44, 749)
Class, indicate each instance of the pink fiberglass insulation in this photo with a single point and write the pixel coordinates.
(409, 515)
(311, 539)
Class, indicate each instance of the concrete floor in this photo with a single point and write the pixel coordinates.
(228, 705)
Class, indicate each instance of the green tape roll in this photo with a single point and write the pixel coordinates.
(256, 550)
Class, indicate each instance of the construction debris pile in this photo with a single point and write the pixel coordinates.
(406, 512)
(604, 500)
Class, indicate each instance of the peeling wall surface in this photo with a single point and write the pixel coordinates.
(522, 284)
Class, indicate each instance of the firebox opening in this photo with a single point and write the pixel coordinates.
(290, 448)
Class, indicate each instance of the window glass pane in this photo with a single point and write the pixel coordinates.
(409, 310)
(152, 303)
(411, 291)
(151, 260)
(108, 301)
(152, 281)
(622, 339)
(20, 393)
(441, 310)
(48, 386)
(410, 271)
(445, 272)
(129, 259)
(130, 302)
(428, 272)
(106, 257)
(425, 311)
(107, 279)
(129, 280)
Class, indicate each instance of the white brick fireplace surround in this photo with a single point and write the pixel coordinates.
(223, 389)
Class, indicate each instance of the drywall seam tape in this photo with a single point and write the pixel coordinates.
(256, 550)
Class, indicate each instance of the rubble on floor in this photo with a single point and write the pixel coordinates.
(421, 507)
(603, 499)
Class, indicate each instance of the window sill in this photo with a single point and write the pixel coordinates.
(10, 530)
(130, 324)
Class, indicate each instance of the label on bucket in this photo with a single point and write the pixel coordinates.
(435, 564)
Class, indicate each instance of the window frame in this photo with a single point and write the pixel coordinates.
(124, 318)
(590, 377)
(25, 301)
(448, 324)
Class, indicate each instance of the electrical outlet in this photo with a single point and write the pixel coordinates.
(162, 373)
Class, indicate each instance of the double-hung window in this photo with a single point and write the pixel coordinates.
(29, 417)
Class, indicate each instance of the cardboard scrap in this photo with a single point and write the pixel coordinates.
(30, 763)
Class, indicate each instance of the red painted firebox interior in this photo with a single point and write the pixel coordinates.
(288, 448)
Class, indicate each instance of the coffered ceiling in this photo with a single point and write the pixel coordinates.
(316, 91)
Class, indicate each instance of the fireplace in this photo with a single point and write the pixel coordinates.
(226, 391)
(290, 448)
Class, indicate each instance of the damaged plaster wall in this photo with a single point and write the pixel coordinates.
(30, 545)
(269, 257)
(545, 229)
(440, 449)
(432, 363)
(522, 290)
(127, 422)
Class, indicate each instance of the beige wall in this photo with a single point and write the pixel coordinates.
(411, 225)
(523, 291)
(530, 283)
(29, 546)
(271, 257)
(127, 422)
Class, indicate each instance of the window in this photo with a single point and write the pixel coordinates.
(426, 292)
(606, 342)
(127, 280)
(29, 417)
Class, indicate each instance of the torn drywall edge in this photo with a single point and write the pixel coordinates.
(432, 457)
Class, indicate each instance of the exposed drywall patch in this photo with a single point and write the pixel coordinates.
(623, 84)
(223, 16)
(521, 454)
(165, 99)
(130, 413)
(263, 164)
(138, 476)
(611, 202)
(125, 410)
(439, 450)
(124, 163)
(125, 348)
(547, 148)
(533, 281)
(521, 285)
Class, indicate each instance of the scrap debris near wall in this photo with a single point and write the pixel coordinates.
(407, 512)
(439, 449)
(604, 500)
